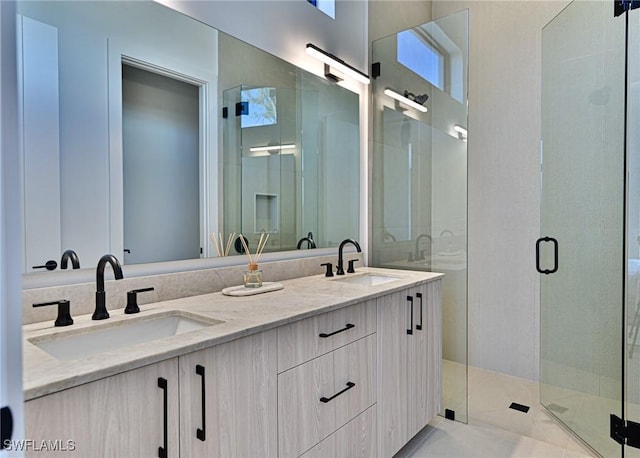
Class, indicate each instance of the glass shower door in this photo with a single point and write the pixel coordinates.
(419, 213)
(581, 252)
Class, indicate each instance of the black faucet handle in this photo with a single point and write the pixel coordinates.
(49, 265)
(329, 272)
(132, 300)
(350, 269)
(64, 311)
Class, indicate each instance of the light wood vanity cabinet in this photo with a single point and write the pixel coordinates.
(240, 404)
(352, 382)
(119, 416)
(409, 376)
(123, 415)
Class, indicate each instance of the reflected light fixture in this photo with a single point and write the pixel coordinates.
(272, 149)
(462, 132)
(331, 61)
(401, 98)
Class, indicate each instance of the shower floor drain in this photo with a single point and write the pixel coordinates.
(519, 407)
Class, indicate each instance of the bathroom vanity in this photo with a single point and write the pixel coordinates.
(341, 366)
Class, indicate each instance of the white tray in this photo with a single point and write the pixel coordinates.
(241, 290)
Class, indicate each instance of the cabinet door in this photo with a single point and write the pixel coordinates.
(240, 399)
(394, 322)
(424, 352)
(122, 415)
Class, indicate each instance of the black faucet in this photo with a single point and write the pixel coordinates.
(72, 256)
(340, 268)
(100, 312)
(418, 254)
(309, 239)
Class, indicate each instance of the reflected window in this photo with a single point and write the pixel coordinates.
(430, 53)
(259, 107)
(328, 7)
(420, 57)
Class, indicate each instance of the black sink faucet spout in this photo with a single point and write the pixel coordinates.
(100, 312)
(70, 255)
(340, 268)
(309, 239)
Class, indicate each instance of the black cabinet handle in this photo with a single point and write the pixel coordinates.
(410, 300)
(6, 427)
(347, 326)
(419, 326)
(349, 386)
(555, 255)
(200, 432)
(49, 265)
(162, 384)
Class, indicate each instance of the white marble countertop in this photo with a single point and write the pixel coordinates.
(302, 297)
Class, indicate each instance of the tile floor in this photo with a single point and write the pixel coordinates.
(494, 430)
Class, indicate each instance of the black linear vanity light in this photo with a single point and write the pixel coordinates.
(338, 64)
(407, 101)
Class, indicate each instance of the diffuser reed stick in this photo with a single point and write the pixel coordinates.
(262, 242)
(221, 248)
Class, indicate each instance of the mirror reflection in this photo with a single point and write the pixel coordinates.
(141, 143)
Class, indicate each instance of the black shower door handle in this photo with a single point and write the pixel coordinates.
(555, 255)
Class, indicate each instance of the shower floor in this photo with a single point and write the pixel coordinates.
(494, 429)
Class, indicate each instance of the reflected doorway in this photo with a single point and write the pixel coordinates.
(160, 140)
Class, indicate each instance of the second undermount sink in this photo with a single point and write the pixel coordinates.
(368, 279)
(124, 333)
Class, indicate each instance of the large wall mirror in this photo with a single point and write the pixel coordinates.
(145, 131)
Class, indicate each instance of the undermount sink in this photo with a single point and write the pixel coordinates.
(124, 333)
(368, 279)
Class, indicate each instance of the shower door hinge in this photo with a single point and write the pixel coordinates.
(624, 434)
(620, 6)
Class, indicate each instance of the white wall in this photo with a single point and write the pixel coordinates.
(504, 189)
(284, 27)
(387, 17)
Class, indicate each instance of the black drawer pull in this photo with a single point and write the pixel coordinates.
(200, 432)
(419, 326)
(410, 300)
(349, 386)
(162, 384)
(348, 326)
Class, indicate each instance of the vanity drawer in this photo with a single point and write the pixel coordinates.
(320, 396)
(306, 339)
(356, 439)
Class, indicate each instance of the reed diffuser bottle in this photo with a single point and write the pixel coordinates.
(253, 276)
